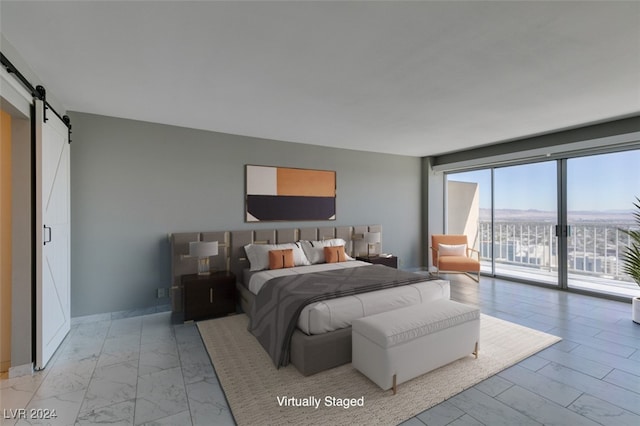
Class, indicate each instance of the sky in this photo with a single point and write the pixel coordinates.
(594, 183)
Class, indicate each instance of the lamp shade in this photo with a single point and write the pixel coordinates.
(203, 248)
(372, 237)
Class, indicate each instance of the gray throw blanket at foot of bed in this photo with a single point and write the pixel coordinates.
(278, 304)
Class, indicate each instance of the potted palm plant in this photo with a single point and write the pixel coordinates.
(631, 260)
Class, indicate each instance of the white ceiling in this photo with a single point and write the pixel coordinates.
(411, 78)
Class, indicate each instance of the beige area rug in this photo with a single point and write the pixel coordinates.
(252, 384)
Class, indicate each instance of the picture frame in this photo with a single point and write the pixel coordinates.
(289, 194)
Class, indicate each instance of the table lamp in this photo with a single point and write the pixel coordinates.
(371, 238)
(203, 250)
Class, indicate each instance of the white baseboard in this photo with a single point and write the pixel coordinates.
(109, 316)
(20, 370)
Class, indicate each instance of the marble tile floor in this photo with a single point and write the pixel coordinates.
(147, 371)
(132, 371)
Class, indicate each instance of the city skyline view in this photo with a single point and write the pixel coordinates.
(532, 215)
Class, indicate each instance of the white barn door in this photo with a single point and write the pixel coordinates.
(53, 284)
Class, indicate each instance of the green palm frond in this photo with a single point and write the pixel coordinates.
(631, 256)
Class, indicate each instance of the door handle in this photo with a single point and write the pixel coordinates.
(563, 231)
(211, 295)
(45, 229)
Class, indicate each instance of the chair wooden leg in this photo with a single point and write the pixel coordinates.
(476, 351)
(395, 386)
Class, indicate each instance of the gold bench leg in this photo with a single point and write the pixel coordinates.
(395, 386)
(475, 351)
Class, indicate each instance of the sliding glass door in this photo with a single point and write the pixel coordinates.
(601, 190)
(510, 215)
(525, 215)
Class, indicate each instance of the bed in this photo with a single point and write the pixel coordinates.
(322, 336)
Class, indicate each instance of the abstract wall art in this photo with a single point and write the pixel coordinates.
(289, 194)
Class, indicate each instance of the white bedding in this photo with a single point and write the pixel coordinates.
(334, 314)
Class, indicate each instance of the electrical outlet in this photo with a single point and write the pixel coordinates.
(161, 293)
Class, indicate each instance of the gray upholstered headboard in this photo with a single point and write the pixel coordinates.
(231, 255)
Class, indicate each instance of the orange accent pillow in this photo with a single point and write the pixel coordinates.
(334, 254)
(279, 259)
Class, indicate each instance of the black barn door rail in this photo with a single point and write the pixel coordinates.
(38, 92)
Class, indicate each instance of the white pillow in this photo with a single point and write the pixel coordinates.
(314, 250)
(452, 250)
(258, 254)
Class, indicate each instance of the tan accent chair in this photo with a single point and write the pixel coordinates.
(458, 264)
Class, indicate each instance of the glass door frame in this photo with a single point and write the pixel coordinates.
(561, 225)
(563, 231)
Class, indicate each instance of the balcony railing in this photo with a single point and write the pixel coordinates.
(594, 249)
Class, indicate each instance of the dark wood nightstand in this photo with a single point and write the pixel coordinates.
(391, 261)
(208, 296)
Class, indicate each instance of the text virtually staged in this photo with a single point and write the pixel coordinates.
(315, 402)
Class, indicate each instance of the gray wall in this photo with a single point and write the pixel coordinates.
(133, 182)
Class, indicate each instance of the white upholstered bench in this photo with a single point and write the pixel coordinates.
(396, 346)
